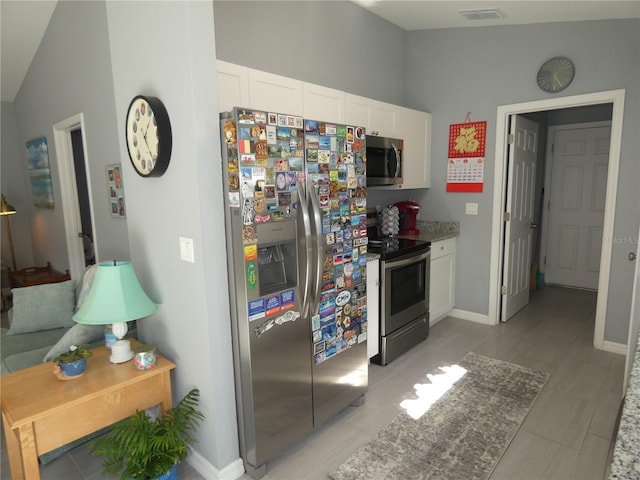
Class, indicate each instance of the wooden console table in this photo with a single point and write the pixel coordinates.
(30, 276)
(41, 412)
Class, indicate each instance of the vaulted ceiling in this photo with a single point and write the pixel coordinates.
(23, 23)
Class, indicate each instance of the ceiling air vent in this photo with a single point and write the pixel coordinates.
(482, 14)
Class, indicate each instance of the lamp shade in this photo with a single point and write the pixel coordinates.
(115, 296)
(6, 208)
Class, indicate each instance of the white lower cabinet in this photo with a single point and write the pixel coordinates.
(373, 307)
(442, 279)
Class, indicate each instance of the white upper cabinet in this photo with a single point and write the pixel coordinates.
(379, 118)
(240, 86)
(323, 103)
(275, 93)
(233, 86)
(414, 128)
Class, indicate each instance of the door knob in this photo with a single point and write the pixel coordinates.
(632, 256)
(534, 226)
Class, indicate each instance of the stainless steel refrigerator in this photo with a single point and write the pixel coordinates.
(295, 196)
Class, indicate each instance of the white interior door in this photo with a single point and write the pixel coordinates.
(577, 192)
(521, 180)
(70, 203)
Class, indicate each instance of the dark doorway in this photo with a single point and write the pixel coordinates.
(83, 196)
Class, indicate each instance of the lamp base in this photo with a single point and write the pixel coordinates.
(121, 352)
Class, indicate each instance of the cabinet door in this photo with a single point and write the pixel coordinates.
(384, 119)
(379, 118)
(358, 111)
(442, 279)
(373, 308)
(416, 133)
(233, 86)
(322, 103)
(275, 93)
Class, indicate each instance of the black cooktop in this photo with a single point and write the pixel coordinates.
(392, 247)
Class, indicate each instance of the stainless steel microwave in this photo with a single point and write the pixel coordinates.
(384, 160)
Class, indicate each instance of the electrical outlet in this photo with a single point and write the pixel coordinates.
(471, 209)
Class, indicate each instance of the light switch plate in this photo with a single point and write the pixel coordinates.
(471, 209)
(186, 249)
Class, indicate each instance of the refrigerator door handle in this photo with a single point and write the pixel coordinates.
(305, 245)
(319, 254)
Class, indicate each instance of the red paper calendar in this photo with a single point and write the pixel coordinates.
(465, 165)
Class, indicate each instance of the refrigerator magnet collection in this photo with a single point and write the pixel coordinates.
(268, 155)
(297, 254)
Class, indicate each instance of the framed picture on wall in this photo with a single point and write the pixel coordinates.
(40, 173)
(115, 191)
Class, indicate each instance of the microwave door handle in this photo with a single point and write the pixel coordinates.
(306, 245)
(396, 154)
(317, 227)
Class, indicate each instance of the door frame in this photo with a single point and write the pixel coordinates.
(547, 175)
(615, 97)
(69, 193)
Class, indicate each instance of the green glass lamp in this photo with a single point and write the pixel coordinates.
(116, 298)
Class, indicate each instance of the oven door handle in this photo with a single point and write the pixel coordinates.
(406, 260)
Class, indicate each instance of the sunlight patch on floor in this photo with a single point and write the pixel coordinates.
(429, 393)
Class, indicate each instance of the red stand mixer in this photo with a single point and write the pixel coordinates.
(408, 217)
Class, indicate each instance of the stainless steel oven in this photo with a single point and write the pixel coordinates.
(404, 298)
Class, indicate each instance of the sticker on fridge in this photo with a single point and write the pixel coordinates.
(256, 309)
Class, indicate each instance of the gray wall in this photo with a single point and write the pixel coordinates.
(71, 74)
(336, 44)
(192, 326)
(450, 72)
(15, 186)
(86, 64)
(482, 68)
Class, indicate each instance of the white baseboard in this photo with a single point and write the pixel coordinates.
(471, 316)
(619, 348)
(233, 471)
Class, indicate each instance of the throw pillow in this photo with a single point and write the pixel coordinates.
(42, 307)
(77, 335)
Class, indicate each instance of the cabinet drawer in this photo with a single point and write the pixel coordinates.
(443, 247)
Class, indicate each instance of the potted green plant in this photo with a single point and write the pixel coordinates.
(142, 448)
(73, 362)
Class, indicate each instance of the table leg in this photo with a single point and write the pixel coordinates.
(165, 385)
(13, 450)
(29, 454)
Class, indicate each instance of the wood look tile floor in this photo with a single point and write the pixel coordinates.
(566, 435)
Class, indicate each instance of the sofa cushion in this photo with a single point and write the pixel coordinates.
(79, 334)
(23, 360)
(42, 307)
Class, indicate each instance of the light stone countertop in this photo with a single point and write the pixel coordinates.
(626, 454)
(435, 231)
(430, 231)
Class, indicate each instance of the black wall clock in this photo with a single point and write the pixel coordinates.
(148, 132)
(556, 74)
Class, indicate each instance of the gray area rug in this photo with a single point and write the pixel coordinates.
(461, 436)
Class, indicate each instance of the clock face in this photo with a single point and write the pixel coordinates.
(148, 136)
(556, 74)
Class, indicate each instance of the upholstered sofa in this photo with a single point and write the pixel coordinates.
(41, 325)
